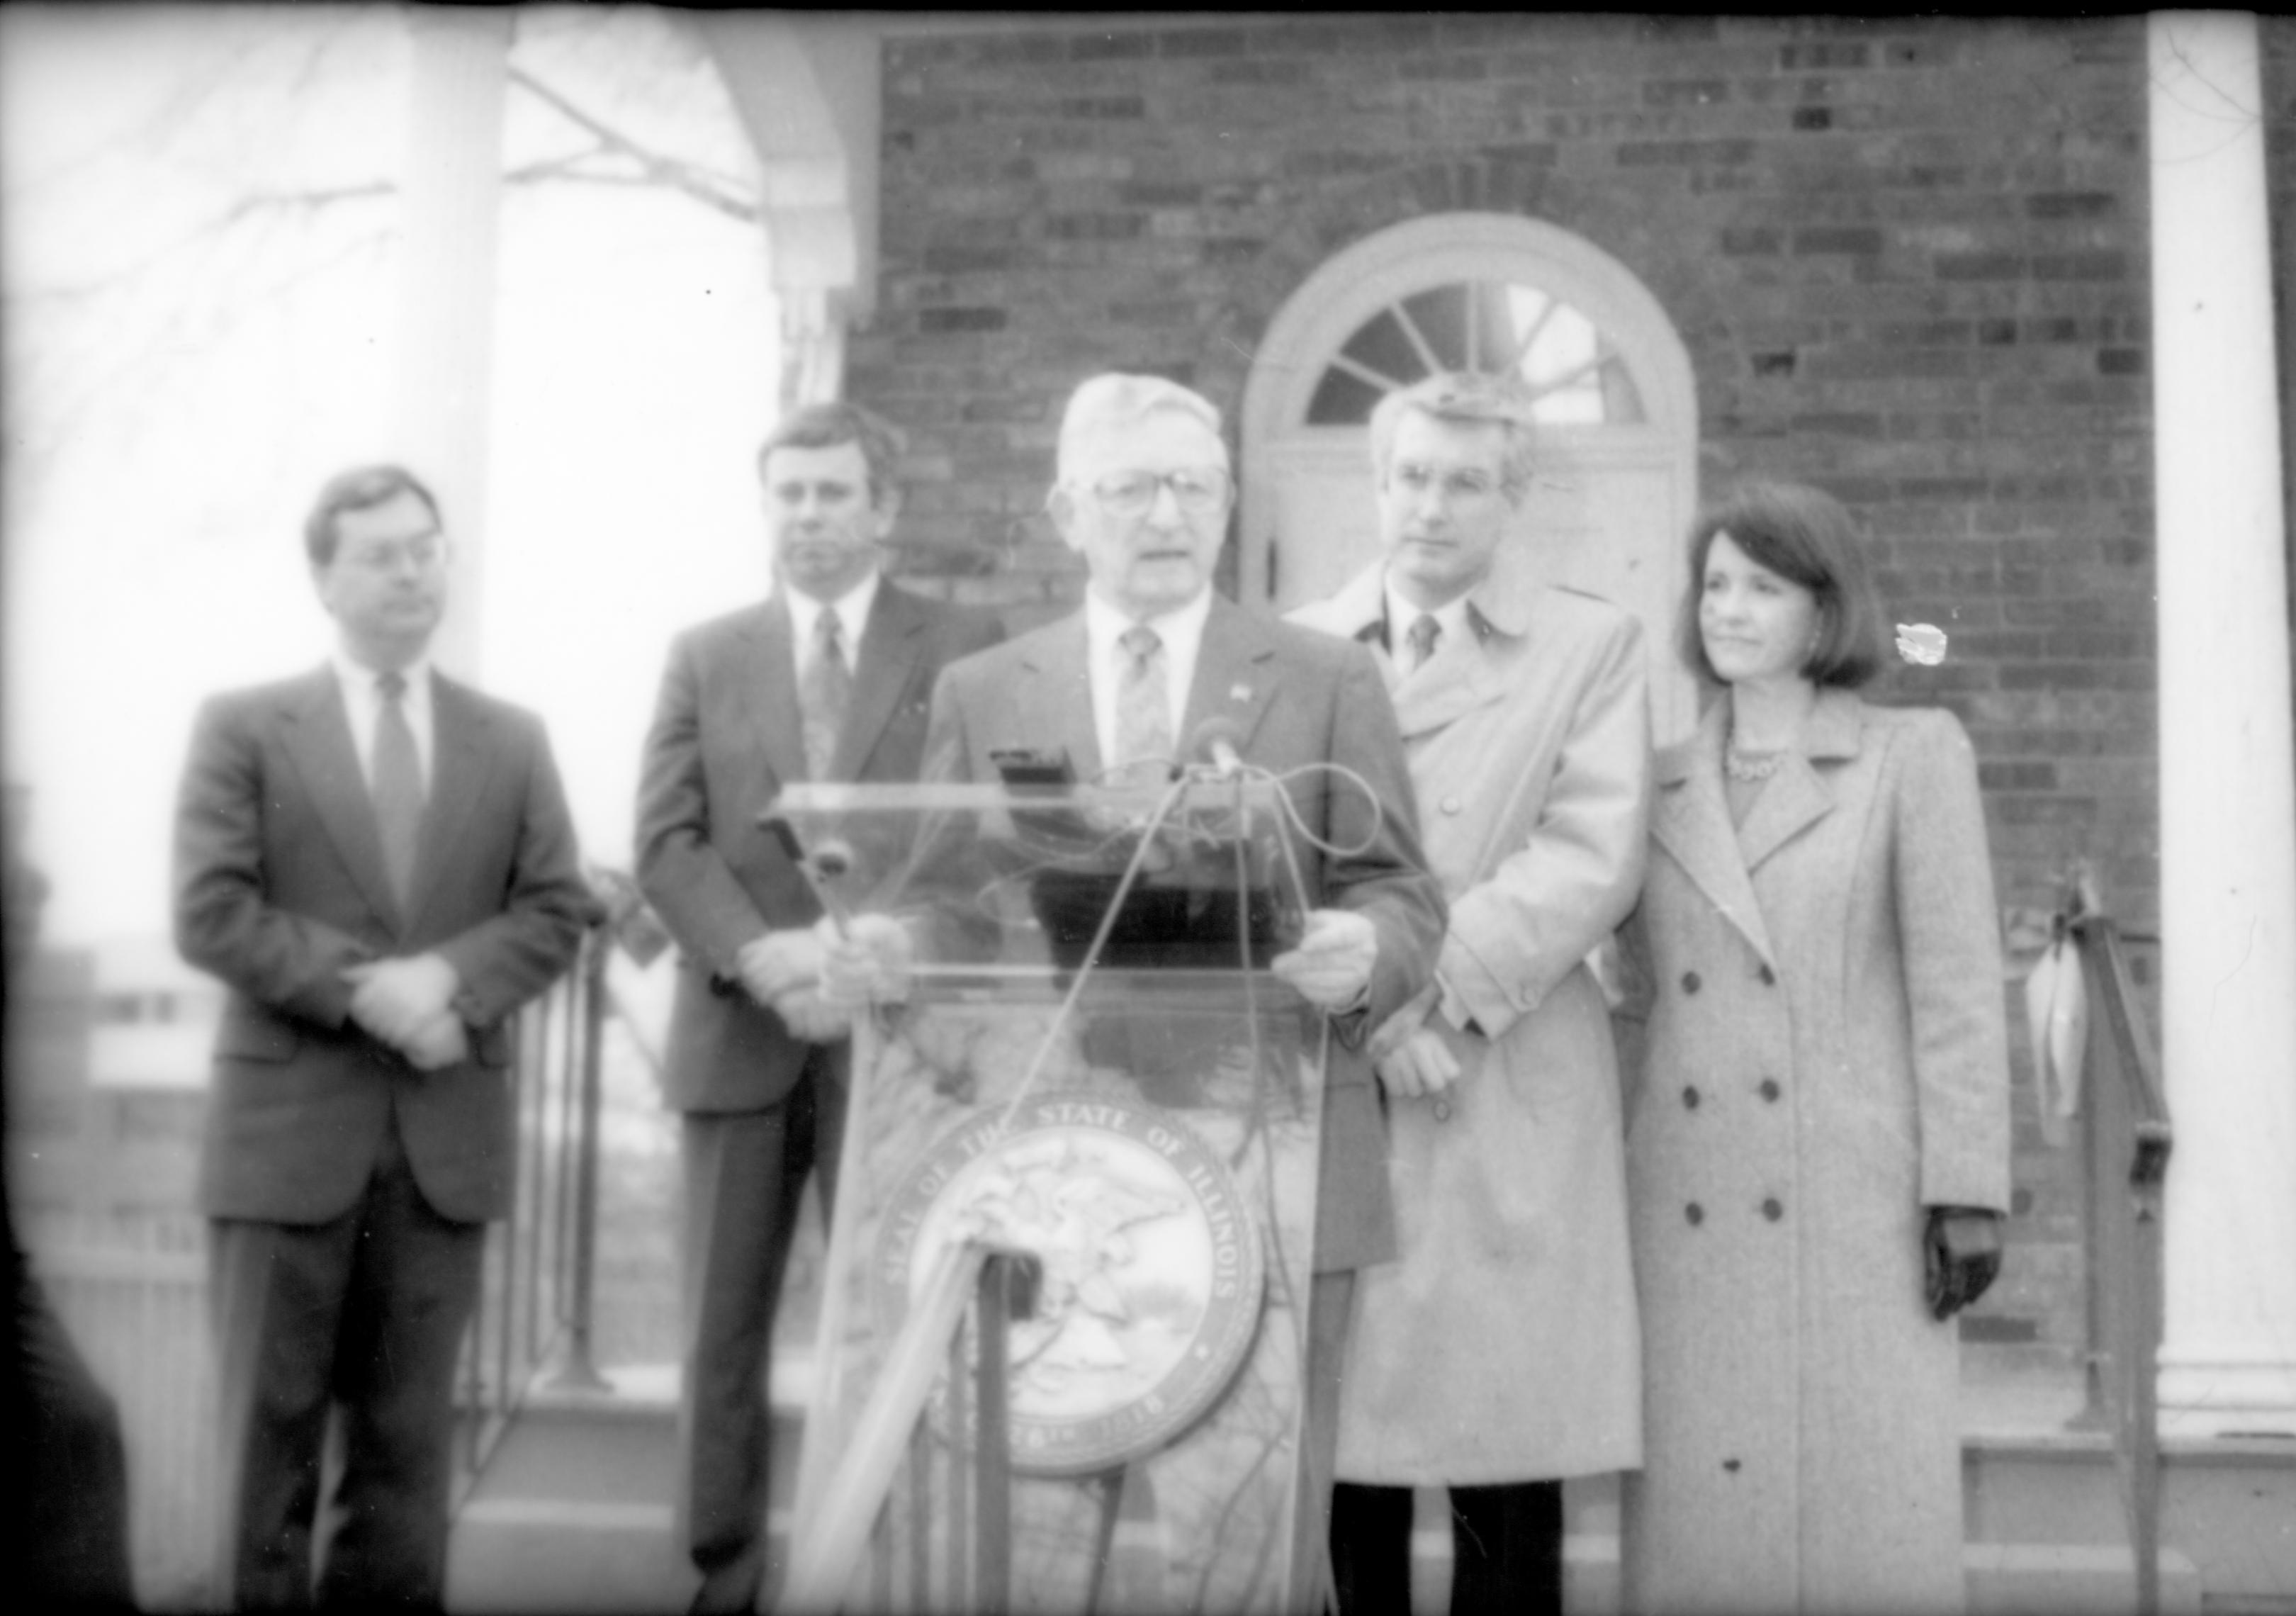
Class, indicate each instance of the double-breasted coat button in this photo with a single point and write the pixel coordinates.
(1769, 977)
(1769, 1089)
(1690, 982)
(1772, 1210)
(1452, 805)
(1695, 1213)
(1690, 1096)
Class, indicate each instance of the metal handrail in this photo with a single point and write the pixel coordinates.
(534, 1325)
(576, 1370)
(955, 1336)
(2127, 1142)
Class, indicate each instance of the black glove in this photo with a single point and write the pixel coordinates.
(1961, 1249)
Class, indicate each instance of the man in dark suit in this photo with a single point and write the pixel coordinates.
(1143, 493)
(829, 679)
(379, 864)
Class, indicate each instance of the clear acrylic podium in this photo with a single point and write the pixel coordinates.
(1075, 1208)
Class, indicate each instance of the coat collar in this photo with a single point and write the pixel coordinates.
(1834, 733)
(317, 738)
(1690, 816)
(1464, 674)
(1504, 602)
(1053, 694)
(890, 645)
(1235, 678)
(767, 677)
(1507, 599)
(315, 732)
(1798, 795)
(888, 648)
(463, 758)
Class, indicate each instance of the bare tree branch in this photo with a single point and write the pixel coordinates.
(76, 388)
(273, 202)
(723, 193)
(718, 191)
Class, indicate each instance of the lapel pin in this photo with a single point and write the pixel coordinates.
(1239, 693)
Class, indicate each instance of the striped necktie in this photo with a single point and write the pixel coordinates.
(1425, 632)
(1144, 715)
(824, 695)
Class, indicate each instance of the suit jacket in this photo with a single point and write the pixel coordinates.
(1296, 698)
(726, 736)
(1504, 1346)
(280, 884)
(1826, 1055)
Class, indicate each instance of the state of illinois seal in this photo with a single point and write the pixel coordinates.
(1152, 1266)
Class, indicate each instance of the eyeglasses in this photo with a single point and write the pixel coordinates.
(1197, 492)
(424, 553)
(1463, 485)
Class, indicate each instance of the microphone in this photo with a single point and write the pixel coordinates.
(821, 868)
(833, 858)
(1214, 739)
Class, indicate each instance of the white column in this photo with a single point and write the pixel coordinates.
(809, 92)
(452, 215)
(813, 347)
(2228, 789)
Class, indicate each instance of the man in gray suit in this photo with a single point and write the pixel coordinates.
(828, 678)
(379, 862)
(1143, 493)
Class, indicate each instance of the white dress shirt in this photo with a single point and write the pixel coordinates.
(1182, 633)
(852, 609)
(362, 704)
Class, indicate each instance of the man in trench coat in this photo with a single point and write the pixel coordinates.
(1503, 1352)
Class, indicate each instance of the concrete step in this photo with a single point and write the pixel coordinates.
(575, 1514)
(2005, 1578)
(576, 1511)
(2071, 1580)
(2227, 1507)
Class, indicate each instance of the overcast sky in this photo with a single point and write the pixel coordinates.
(177, 394)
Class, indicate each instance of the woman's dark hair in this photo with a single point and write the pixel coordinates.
(1805, 536)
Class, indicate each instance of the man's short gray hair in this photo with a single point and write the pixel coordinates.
(1469, 396)
(1115, 400)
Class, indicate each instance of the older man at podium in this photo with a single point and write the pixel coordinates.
(1143, 493)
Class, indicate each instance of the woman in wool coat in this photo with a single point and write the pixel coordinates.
(1818, 1118)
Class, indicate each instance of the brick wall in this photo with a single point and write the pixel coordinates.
(1908, 259)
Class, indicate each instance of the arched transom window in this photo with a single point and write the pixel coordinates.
(1616, 481)
(1574, 370)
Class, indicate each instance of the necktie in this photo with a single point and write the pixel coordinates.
(1424, 629)
(823, 693)
(398, 787)
(1144, 716)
